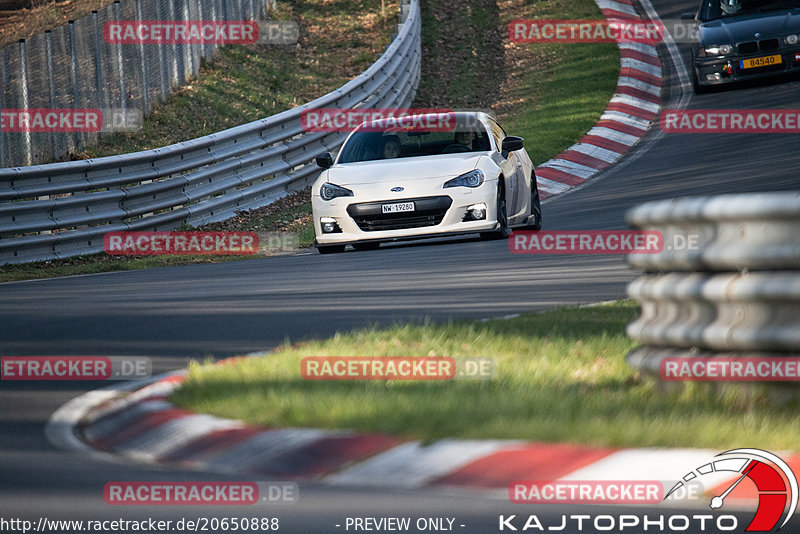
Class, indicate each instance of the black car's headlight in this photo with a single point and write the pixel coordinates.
(718, 50)
(791, 40)
(469, 179)
(329, 191)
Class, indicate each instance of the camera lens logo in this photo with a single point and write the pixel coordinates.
(774, 480)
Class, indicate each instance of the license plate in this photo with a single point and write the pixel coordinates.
(397, 208)
(766, 61)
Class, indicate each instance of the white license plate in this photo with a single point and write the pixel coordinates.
(397, 208)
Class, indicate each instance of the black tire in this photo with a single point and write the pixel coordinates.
(502, 217)
(536, 207)
(330, 249)
(366, 246)
(698, 89)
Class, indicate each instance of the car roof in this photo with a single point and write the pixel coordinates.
(459, 115)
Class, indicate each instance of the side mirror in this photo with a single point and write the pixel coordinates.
(512, 144)
(325, 161)
(687, 16)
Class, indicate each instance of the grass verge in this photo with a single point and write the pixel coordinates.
(21, 19)
(561, 377)
(554, 93)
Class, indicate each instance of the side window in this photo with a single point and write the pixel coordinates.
(498, 133)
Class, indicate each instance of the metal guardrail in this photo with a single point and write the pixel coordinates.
(64, 209)
(735, 291)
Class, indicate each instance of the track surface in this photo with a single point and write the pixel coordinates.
(173, 314)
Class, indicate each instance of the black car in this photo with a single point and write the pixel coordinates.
(737, 40)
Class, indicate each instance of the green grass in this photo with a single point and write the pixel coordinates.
(566, 98)
(561, 377)
(561, 90)
(462, 51)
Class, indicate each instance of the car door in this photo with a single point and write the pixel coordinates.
(513, 171)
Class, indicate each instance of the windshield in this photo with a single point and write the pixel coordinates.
(391, 144)
(712, 9)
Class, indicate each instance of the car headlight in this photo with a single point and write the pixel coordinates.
(791, 39)
(719, 50)
(329, 191)
(469, 179)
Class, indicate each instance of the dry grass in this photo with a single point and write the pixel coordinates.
(21, 19)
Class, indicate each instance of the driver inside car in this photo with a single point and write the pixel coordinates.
(391, 147)
(462, 142)
(730, 7)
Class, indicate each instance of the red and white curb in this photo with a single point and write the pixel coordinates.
(630, 113)
(140, 424)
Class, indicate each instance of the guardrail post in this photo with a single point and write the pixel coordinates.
(145, 73)
(98, 61)
(5, 79)
(179, 66)
(121, 65)
(23, 62)
(200, 16)
(225, 13)
(73, 67)
(162, 66)
(48, 42)
(187, 48)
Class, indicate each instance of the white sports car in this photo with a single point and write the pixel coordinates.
(404, 179)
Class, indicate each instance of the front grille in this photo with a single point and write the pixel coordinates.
(768, 44)
(751, 47)
(429, 211)
(748, 48)
(368, 224)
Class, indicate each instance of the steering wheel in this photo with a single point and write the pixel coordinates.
(454, 148)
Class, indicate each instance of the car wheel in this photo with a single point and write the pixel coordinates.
(698, 89)
(502, 216)
(330, 249)
(535, 220)
(366, 246)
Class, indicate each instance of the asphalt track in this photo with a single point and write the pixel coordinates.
(173, 314)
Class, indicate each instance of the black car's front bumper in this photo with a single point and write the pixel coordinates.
(720, 70)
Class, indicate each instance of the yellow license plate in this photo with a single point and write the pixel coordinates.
(756, 62)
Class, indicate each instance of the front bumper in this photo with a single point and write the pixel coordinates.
(714, 71)
(361, 221)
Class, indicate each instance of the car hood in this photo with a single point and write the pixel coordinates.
(403, 170)
(743, 28)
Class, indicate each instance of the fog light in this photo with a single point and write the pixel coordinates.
(329, 225)
(713, 77)
(476, 212)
